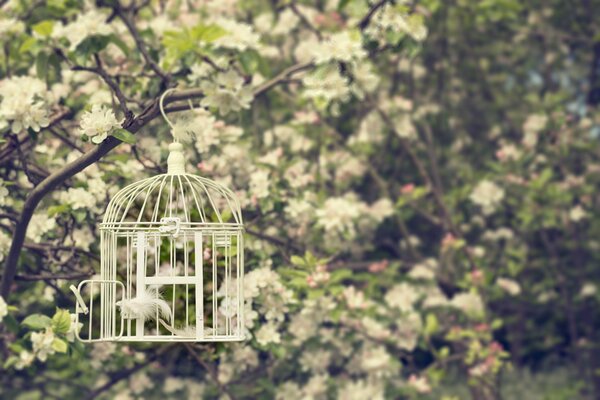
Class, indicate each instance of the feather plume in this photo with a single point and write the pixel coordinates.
(145, 305)
(189, 331)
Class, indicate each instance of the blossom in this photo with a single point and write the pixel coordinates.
(86, 24)
(469, 303)
(531, 127)
(268, 334)
(39, 225)
(338, 215)
(577, 213)
(260, 183)
(73, 328)
(382, 209)
(354, 298)
(508, 152)
(360, 390)
(98, 123)
(139, 382)
(316, 386)
(10, 26)
(422, 271)
(402, 296)
(5, 242)
(226, 93)
(78, 198)
(487, 195)
(390, 19)
(326, 84)
(419, 383)
(42, 344)
(3, 308)
(239, 36)
(587, 290)
(25, 102)
(343, 46)
(315, 361)
(25, 359)
(509, 286)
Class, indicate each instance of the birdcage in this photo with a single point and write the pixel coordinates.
(171, 263)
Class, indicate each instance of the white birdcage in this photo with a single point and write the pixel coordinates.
(171, 263)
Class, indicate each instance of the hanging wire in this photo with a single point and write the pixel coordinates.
(162, 111)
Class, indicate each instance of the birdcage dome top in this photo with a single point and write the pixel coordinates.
(176, 195)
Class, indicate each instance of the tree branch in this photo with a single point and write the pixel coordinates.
(367, 18)
(141, 45)
(94, 155)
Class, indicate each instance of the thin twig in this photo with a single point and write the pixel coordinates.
(213, 374)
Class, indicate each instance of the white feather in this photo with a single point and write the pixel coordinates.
(145, 305)
(190, 331)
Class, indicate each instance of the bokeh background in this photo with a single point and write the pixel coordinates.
(418, 179)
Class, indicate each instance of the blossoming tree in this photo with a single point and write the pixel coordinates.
(413, 196)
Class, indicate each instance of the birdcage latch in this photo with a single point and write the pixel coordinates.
(171, 225)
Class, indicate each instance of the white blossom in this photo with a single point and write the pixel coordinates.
(315, 361)
(140, 382)
(268, 334)
(226, 93)
(326, 84)
(339, 214)
(5, 242)
(74, 328)
(25, 359)
(3, 308)
(78, 198)
(487, 195)
(11, 26)
(39, 225)
(239, 36)
(402, 296)
(588, 289)
(260, 183)
(86, 24)
(577, 213)
(360, 390)
(469, 303)
(42, 344)
(25, 103)
(98, 123)
(343, 46)
(509, 286)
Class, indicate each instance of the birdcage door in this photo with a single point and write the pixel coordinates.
(194, 276)
(98, 319)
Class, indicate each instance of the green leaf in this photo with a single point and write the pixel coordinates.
(11, 323)
(187, 41)
(27, 45)
(208, 33)
(61, 321)
(298, 261)
(59, 209)
(59, 345)
(37, 321)
(119, 43)
(44, 28)
(124, 136)
(431, 324)
(10, 361)
(41, 65)
(90, 45)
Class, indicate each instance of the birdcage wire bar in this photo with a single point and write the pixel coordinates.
(172, 246)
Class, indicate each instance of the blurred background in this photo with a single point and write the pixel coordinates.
(418, 182)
